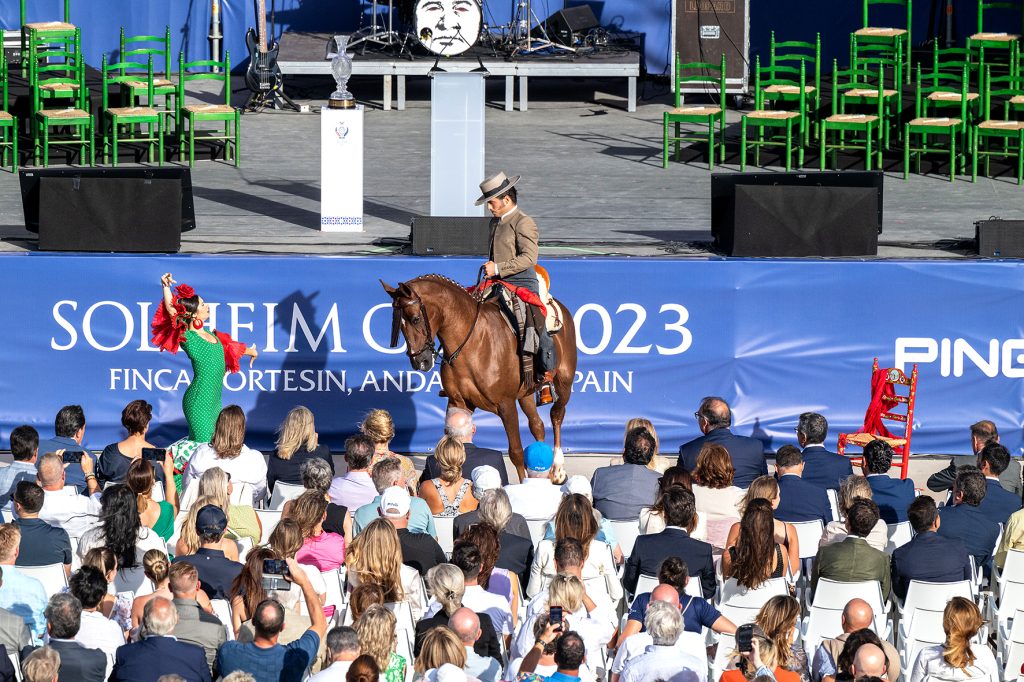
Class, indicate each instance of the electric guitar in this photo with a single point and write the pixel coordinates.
(263, 74)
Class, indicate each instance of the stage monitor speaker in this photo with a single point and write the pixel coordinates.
(1000, 238)
(134, 210)
(450, 236)
(797, 214)
(565, 22)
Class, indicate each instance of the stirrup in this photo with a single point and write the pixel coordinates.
(546, 394)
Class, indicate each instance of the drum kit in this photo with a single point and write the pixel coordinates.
(448, 28)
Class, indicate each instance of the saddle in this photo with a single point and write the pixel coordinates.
(523, 312)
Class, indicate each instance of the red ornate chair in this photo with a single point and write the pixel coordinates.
(885, 397)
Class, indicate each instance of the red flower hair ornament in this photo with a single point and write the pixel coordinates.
(184, 291)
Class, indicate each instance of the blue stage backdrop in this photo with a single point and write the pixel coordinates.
(773, 337)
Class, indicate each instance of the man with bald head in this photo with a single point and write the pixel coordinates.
(66, 508)
(714, 419)
(688, 644)
(458, 424)
(159, 653)
(466, 625)
(857, 615)
(869, 661)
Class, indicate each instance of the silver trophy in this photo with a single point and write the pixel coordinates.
(341, 68)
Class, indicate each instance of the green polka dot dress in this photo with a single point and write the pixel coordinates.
(202, 401)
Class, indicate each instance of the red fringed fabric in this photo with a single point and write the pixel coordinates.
(233, 351)
(524, 294)
(168, 332)
(882, 400)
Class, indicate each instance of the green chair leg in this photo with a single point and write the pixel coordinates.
(711, 143)
(952, 155)
(664, 142)
(789, 145)
(974, 159)
(906, 151)
(822, 132)
(743, 144)
(238, 138)
(867, 149)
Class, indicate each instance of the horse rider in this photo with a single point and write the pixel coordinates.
(512, 256)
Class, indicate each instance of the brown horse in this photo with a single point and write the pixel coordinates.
(479, 365)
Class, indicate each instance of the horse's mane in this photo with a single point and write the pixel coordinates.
(441, 279)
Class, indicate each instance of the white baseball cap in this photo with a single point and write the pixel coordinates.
(485, 478)
(395, 502)
(579, 485)
(446, 673)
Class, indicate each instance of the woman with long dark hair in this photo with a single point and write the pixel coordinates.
(120, 529)
(652, 519)
(756, 556)
(140, 480)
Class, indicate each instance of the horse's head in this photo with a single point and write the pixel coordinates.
(410, 317)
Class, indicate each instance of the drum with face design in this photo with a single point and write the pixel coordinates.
(448, 27)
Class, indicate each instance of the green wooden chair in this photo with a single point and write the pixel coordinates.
(888, 68)
(137, 49)
(984, 46)
(56, 70)
(780, 124)
(1010, 132)
(948, 127)
(76, 118)
(896, 39)
(8, 124)
(43, 31)
(119, 123)
(841, 121)
(949, 67)
(710, 78)
(192, 114)
(792, 53)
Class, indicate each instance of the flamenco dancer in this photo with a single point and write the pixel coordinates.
(179, 323)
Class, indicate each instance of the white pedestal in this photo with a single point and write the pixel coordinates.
(456, 143)
(341, 170)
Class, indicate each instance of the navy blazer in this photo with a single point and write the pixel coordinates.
(892, 495)
(622, 490)
(825, 469)
(650, 550)
(801, 501)
(970, 526)
(149, 659)
(998, 504)
(747, 455)
(475, 457)
(931, 557)
(79, 663)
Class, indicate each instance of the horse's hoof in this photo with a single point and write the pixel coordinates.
(442, 394)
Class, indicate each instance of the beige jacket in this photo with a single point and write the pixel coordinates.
(513, 243)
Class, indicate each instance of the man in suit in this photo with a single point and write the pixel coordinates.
(892, 495)
(458, 424)
(650, 550)
(981, 434)
(822, 468)
(999, 504)
(63, 620)
(714, 418)
(159, 653)
(853, 559)
(622, 490)
(69, 432)
(964, 521)
(798, 500)
(928, 556)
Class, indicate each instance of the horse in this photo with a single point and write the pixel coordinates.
(479, 362)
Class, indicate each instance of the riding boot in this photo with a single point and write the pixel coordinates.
(548, 362)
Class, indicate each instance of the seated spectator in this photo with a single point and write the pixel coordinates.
(441, 648)
(486, 478)
(20, 594)
(364, 669)
(196, 622)
(1013, 537)
(247, 593)
(892, 495)
(343, 649)
(355, 488)
(857, 617)
(822, 467)
(570, 656)
(569, 560)
(714, 493)
(928, 556)
(41, 544)
(376, 632)
(982, 433)
(316, 477)
(116, 606)
(774, 645)
(853, 559)
(495, 580)
(466, 556)
(379, 427)
(14, 633)
(24, 450)
(746, 455)
(861, 654)
(215, 485)
(297, 443)
(650, 550)
(69, 432)
(957, 658)
(466, 625)
(388, 473)
(157, 568)
(112, 466)
(546, 663)
(755, 556)
(42, 665)
(458, 423)
(657, 463)
(264, 655)
(963, 520)
(376, 557)
(419, 550)
(216, 572)
(537, 497)
(159, 652)
(63, 621)
(89, 587)
(850, 489)
(120, 529)
(325, 551)
(667, 659)
(515, 553)
(999, 504)
(652, 519)
(157, 516)
(188, 539)
(449, 494)
(621, 491)
(579, 485)
(228, 451)
(286, 542)
(363, 597)
(799, 499)
(66, 508)
(448, 587)
(767, 488)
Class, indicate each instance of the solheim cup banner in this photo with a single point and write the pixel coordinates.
(773, 337)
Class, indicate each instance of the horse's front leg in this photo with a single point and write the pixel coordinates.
(529, 407)
(510, 420)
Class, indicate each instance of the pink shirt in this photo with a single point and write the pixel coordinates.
(325, 551)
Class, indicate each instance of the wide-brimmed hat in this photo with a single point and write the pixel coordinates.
(496, 185)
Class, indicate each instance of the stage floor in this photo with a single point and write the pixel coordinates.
(592, 178)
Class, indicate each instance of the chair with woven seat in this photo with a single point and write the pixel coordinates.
(983, 45)
(138, 48)
(897, 40)
(880, 60)
(884, 383)
(789, 121)
(116, 119)
(950, 127)
(75, 116)
(1009, 93)
(842, 121)
(792, 53)
(8, 123)
(43, 31)
(191, 114)
(55, 70)
(706, 76)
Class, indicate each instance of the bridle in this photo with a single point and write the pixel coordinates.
(428, 345)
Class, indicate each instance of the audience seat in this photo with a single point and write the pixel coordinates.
(924, 630)
(537, 529)
(51, 576)
(1010, 649)
(832, 594)
(445, 527)
(833, 502)
(284, 492)
(133, 580)
(899, 534)
(626, 532)
(931, 596)
(222, 609)
(1013, 568)
(741, 605)
(16, 662)
(269, 519)
(819, 624)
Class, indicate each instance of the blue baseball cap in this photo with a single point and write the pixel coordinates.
(539, 456)
(211, 520)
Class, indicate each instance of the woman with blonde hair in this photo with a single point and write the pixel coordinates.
(657, 463)
(775, 625)
(325, 551)
(376, 631)
(159, 516)
(215, 483)
(228, 451)
(376, 557)
(297, 443)
(956, 658)
(851, 488)
(447, 587)
(714, 493)
(379, 427)
(188, 540)
(567, 591)
(449, 494)
(767, 488)
(440, 645)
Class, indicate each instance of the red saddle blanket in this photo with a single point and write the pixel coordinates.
(524, 294)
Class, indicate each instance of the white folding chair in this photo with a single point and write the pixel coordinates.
(284, 492)
(646, 583)
(1013, 567)
(1012, 653)
(924, 629)
(626, 533)
(833, 502)
(222, 609)
(335, 594)
(1007, 639)
(268, 519)
(157, 492)
(899, 534)
(808, 535)
(741, 605)
(16, 662)
(536, 527)
(244, 547)
(832, 594)
(445, 527)
(52, 577)
(1011, 597)
(820, 624)
(930, 596)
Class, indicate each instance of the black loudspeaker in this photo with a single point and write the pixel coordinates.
(450, 236)
(797, 214)
(108, 209)
(565, 22)
(1000, 238)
